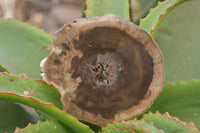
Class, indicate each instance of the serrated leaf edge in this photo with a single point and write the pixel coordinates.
(177, 120)
(132, 124)
(181, 81)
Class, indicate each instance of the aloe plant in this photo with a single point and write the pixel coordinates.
(85, 89)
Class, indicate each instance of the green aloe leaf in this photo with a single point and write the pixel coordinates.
(156, 15)
(13, 115)
(149, 127)
(138, 126)
(36, 89)
(152, 123)
(97, 8)
(20, 46)
(70, 122)
(181, 100)
(44, 127)
(24, 86)
(3, 69)
(169, 124)
(140, 8)
(124, 128)
(178, 39)
(39, 95)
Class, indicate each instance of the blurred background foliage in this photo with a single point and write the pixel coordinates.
(50, 15)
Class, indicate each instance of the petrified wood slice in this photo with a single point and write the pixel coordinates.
(106, 69)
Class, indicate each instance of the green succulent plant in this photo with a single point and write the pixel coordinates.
(177, 108)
